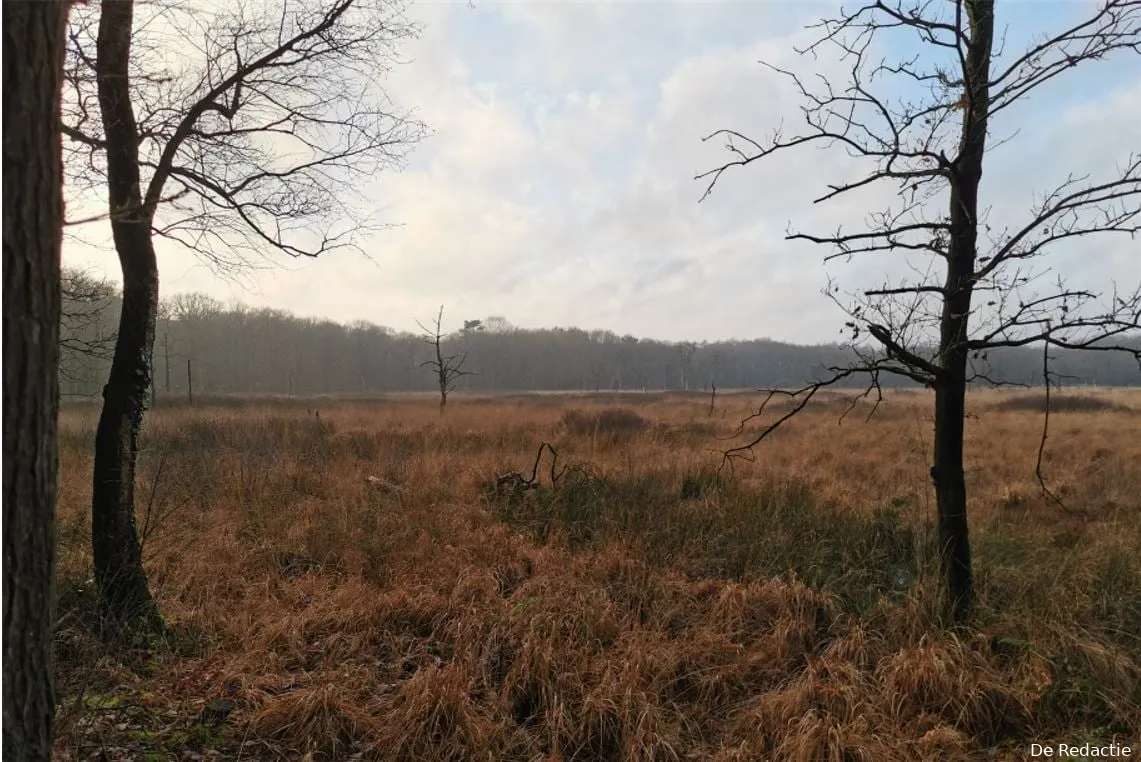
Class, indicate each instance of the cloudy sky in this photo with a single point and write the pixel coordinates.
(558, 185)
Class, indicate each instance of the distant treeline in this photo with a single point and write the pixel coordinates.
(240, 350)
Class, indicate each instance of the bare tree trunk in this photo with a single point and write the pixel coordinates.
(114, 538)
(951, 388)
(33, 221)
(441, 367)
(951, 498)
(442, 377)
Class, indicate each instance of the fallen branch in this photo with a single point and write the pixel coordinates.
(514, 483)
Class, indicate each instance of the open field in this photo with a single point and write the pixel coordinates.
(354, 585)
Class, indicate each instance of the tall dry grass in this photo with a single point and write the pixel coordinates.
(361, 585)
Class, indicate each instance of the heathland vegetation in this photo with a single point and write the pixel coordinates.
(875, 558)
(349, 578)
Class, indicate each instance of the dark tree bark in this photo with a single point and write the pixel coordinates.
(33, 220)
(114, 537)
(962, 253)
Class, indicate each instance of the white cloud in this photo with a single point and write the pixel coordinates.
(558, 187)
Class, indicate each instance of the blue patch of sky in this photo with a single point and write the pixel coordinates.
(1018, 27)
(495, 47)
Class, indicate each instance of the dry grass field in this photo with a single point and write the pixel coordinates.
(357, 585)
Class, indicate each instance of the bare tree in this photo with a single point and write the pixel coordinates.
(975, 288)
(250, 140)
(447, 369)
(686, 350)
(496, 324)
(87, 336)
(33, 224)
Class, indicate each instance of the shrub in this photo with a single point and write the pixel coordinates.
(697, 484)
(606, 422)
(1061, 403)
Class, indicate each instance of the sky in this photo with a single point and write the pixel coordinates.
(557, 186)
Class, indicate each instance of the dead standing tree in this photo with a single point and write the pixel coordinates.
(251, 139)
(86, 333)
(930, 145)
(447, 369)
(686, 350)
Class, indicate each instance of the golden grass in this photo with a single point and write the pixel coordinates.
(355, 586)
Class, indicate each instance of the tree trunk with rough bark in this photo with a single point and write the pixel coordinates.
(33, 220)
(951, 387)
(114, 536)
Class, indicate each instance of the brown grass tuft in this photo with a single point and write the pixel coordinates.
(607, 422)
(1061, 403)
(437, 714)
(323, 719)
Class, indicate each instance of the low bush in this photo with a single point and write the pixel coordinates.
(1061, 403)
(605, 422)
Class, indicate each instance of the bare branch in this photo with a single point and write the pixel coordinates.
(1116, 26)
(267, 127)
(1038, 472)
(800, 399)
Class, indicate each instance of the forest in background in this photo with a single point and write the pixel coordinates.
(236, 349)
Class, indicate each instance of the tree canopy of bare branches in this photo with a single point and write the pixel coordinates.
(972, 287)
(258, 123)
(86, 335)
